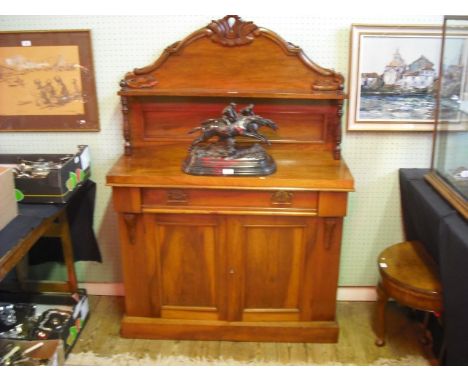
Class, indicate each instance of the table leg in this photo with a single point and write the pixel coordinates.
(380, 315)
(67, 249)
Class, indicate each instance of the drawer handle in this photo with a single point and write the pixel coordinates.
(177, 197)
(282, 198)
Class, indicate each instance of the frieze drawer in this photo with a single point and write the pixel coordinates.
(229, 199)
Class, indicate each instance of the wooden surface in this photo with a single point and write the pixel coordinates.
(355, 344)
(234, 258)
(300, 167)
(54, 226)
(410, 266)
(410, 276)
(225, 57)
(232, 60)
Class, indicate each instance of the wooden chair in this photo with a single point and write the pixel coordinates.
(409, 275)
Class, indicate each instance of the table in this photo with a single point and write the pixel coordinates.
(32, 223)
(69, 233)
(444, 233)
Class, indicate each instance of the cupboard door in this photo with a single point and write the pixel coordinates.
(268, 256)
(185, 264)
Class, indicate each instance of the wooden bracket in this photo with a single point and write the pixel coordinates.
(329, 230)
(130, 222)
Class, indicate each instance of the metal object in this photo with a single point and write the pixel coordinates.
(51, 323)
(7, 314)
(39, 168)
(225, 157)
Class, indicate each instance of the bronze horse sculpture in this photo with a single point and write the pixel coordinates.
(233, 124)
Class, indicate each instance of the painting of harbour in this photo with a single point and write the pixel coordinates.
(398, 78)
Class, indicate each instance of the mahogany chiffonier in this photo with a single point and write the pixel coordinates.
(239, 258)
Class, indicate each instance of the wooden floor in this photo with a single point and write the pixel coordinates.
(355, 346)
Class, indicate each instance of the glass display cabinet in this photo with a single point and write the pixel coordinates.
(449, 168)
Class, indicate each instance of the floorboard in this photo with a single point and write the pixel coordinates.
(355, 345)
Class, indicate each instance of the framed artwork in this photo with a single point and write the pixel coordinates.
(47, 81)
(393, 77)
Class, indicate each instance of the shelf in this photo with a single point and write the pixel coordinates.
(192, 92)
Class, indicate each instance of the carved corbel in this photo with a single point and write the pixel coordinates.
(328, 231)
(130, 223)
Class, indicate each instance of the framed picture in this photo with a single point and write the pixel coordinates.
(393, 77)
(47, 81)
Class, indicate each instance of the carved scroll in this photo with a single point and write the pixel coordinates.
(231, 30)
(329, 84)
(134, 81)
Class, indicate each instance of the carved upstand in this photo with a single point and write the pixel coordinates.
(243, 258)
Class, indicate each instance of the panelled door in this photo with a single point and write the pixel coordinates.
(185, 265)
(268, 262)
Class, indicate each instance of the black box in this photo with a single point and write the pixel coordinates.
(48, 178)
(35, 311)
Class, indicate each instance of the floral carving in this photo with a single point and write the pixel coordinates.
(231, 30)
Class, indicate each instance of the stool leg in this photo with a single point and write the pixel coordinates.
(425, 338)
(380, 315)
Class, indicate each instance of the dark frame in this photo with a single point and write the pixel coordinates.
(56, 93)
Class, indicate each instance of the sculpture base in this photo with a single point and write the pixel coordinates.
(220, 160)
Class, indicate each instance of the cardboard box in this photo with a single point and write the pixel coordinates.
(8, 204)
(36, 181)
(35, 328)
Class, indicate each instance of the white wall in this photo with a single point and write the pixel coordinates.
(121, 43)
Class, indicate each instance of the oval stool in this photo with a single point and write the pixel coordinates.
(408, 275)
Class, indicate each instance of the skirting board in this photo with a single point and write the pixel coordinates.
(365, 293)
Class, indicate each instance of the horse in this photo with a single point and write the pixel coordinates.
(245, 125)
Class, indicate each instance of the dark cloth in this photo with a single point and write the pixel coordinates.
(431, 220)
(29, 217)
(80, 210)
(423, 209)
(453, 253)
(80, 215)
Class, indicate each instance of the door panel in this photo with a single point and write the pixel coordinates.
(272, 262)
(186, 265)
(267, 261)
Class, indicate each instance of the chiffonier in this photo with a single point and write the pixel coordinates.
(241, 258)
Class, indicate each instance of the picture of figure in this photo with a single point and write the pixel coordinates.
(40, 81)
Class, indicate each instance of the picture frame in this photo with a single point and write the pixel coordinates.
(47, 81)
(393, 74)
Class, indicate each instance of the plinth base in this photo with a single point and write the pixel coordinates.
(205, 330)
(219, 160)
